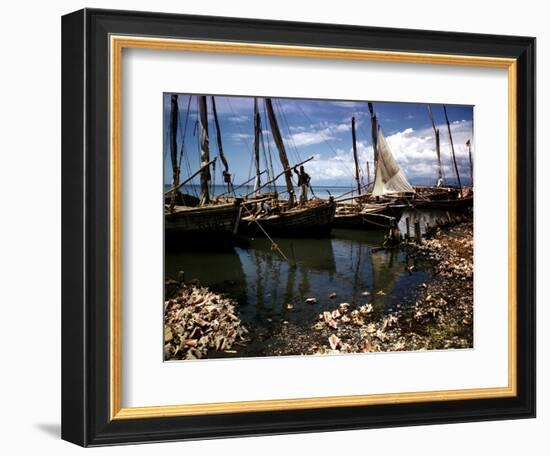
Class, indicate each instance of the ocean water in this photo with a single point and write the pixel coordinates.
(319, 191)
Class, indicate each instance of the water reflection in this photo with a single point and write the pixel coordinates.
(271, 290)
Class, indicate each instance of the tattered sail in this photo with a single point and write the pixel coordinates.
(389, 178)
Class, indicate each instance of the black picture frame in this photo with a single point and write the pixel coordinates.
(85, 227)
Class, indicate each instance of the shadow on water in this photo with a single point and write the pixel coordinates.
(271, 291)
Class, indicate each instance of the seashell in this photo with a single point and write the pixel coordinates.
(318, 326)
(168, 336)
(367, 309)
(333, 341)
(343, 307)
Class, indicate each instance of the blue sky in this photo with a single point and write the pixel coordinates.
(322, 128)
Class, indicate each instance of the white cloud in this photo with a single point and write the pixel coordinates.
(414, 150)
(241, 136)
(319, 133)
(239, 118)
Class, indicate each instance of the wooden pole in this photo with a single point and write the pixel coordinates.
(257, 146)
(174, 114)
(262, 229)
(205, 150)
(408, 224)
(452, 148)
(417, 232)
(355, 156)
(437, 147)
(226, 175)
(279, 175)
(282, 152)
(243, 184)
(191, 176)
(374, 135)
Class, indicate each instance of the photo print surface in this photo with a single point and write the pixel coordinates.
(315, 227)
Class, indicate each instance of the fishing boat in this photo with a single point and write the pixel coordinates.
(204, 220)
(269, 215)
(383, 207)
(315, 219)
(441, 196)
(368, 216)
(206, 217)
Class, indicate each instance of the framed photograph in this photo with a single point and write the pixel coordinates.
(278, 227)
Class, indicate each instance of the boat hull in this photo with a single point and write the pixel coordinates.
(448, 204)
(203, 221)
(298, 222)
(381, 218)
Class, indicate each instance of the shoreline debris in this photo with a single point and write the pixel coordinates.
(198, 322)
(442, 317)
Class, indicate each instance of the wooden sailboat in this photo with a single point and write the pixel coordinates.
(441, 196)
(364, 214)
(369, 216)
(284, 217)
(208, 218)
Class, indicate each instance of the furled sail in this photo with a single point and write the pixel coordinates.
(389, 178)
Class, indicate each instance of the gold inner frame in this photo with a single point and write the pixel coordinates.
(117, 44)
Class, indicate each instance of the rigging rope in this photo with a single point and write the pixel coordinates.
(290, 136)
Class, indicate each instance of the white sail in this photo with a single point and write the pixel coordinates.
(389, 178)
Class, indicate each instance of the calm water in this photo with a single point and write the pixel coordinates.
(348, 263)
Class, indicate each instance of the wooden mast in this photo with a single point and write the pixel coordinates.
(368, 173)
(437, 147)
(204, 150)
(282, 152)
(226, 174)
(469, 144)
(374, 134)
(174, 114)
(257, 127)
(357, 180)
(452, 148)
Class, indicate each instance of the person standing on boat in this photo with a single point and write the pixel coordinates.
(303, 183)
